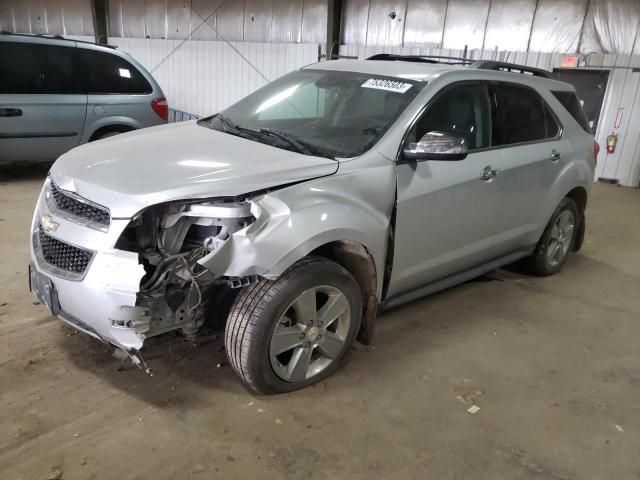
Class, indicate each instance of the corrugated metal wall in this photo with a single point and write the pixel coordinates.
(297, 21)
(205, 76)
(68, 17)
(603, 26)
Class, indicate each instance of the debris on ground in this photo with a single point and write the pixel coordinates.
(54, 474)
(619, 428)
(278, 421)
(469, 398)
(473, 409)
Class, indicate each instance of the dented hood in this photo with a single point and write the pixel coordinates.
(131, 171)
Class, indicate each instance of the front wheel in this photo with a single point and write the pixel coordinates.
(288, 333)
(556, 242)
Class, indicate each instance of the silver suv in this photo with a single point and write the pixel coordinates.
(294, 216)
(56, 94)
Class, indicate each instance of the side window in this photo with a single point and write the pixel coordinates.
(521, 115)
(32, 68)
(107, 73)
(463, 111)
(570, 101)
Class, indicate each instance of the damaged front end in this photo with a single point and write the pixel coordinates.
(177, 292)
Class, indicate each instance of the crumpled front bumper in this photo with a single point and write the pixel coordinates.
(102, 302)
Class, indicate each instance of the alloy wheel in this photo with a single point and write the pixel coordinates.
(561, 238)
(311, 333)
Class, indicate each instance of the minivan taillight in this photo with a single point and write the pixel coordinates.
(596, 151)
(161, 107)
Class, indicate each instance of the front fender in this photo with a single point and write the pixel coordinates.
(283, 234)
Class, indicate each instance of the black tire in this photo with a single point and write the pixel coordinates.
(539, 263)
(257, 311)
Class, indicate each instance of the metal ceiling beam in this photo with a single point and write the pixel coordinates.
(100, 14)
(334, 22)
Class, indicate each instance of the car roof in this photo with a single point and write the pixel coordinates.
(427, 71)
(45, 39)
(407, 70)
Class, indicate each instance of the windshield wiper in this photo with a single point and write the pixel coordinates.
(287, 138)
(229, 127)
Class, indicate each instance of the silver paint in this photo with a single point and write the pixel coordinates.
(449, 222)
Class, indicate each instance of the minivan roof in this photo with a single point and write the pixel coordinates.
(39, 36)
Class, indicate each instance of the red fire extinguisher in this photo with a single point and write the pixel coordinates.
(611, 142)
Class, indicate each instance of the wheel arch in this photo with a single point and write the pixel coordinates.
(120, 123)
(355, 258)
(116, 127)
(579, 195)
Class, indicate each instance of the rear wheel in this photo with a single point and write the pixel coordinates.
(556, 242)
(289, 333)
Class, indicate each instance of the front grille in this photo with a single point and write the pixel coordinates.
(74, 206)
(63, 255)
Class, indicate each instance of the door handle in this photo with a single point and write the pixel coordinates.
(10, 112)
(555, 155)
(489, 173)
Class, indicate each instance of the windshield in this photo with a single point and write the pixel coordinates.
(319, 112)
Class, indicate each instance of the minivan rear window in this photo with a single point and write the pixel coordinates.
(31, 68)
(107, 73)
(570, 101)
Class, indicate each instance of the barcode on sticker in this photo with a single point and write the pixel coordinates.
(389, 85)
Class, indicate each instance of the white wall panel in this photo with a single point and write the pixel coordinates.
(627, 169)
(386, 22)
(509, 24)
(425, 22)
(465, 24)
(205, 76)
(613, 96)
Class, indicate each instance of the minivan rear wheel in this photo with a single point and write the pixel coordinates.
(556, 242)
(288, 333)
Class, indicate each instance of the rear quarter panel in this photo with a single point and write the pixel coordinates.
(577, 165)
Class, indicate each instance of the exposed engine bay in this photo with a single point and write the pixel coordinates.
(176, 291)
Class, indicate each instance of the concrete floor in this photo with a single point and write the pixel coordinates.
(553, 364)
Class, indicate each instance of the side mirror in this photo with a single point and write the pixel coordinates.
(436, 146)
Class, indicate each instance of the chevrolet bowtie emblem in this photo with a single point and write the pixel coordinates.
(48, 224)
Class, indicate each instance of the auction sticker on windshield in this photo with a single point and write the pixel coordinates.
(389, 85)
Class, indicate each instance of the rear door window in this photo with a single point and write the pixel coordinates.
(111, 74)
(32, 68)
(570, 101)
(521, 115)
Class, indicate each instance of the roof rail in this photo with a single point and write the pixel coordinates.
(54, 37)
(511, 67)
(422, 58)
